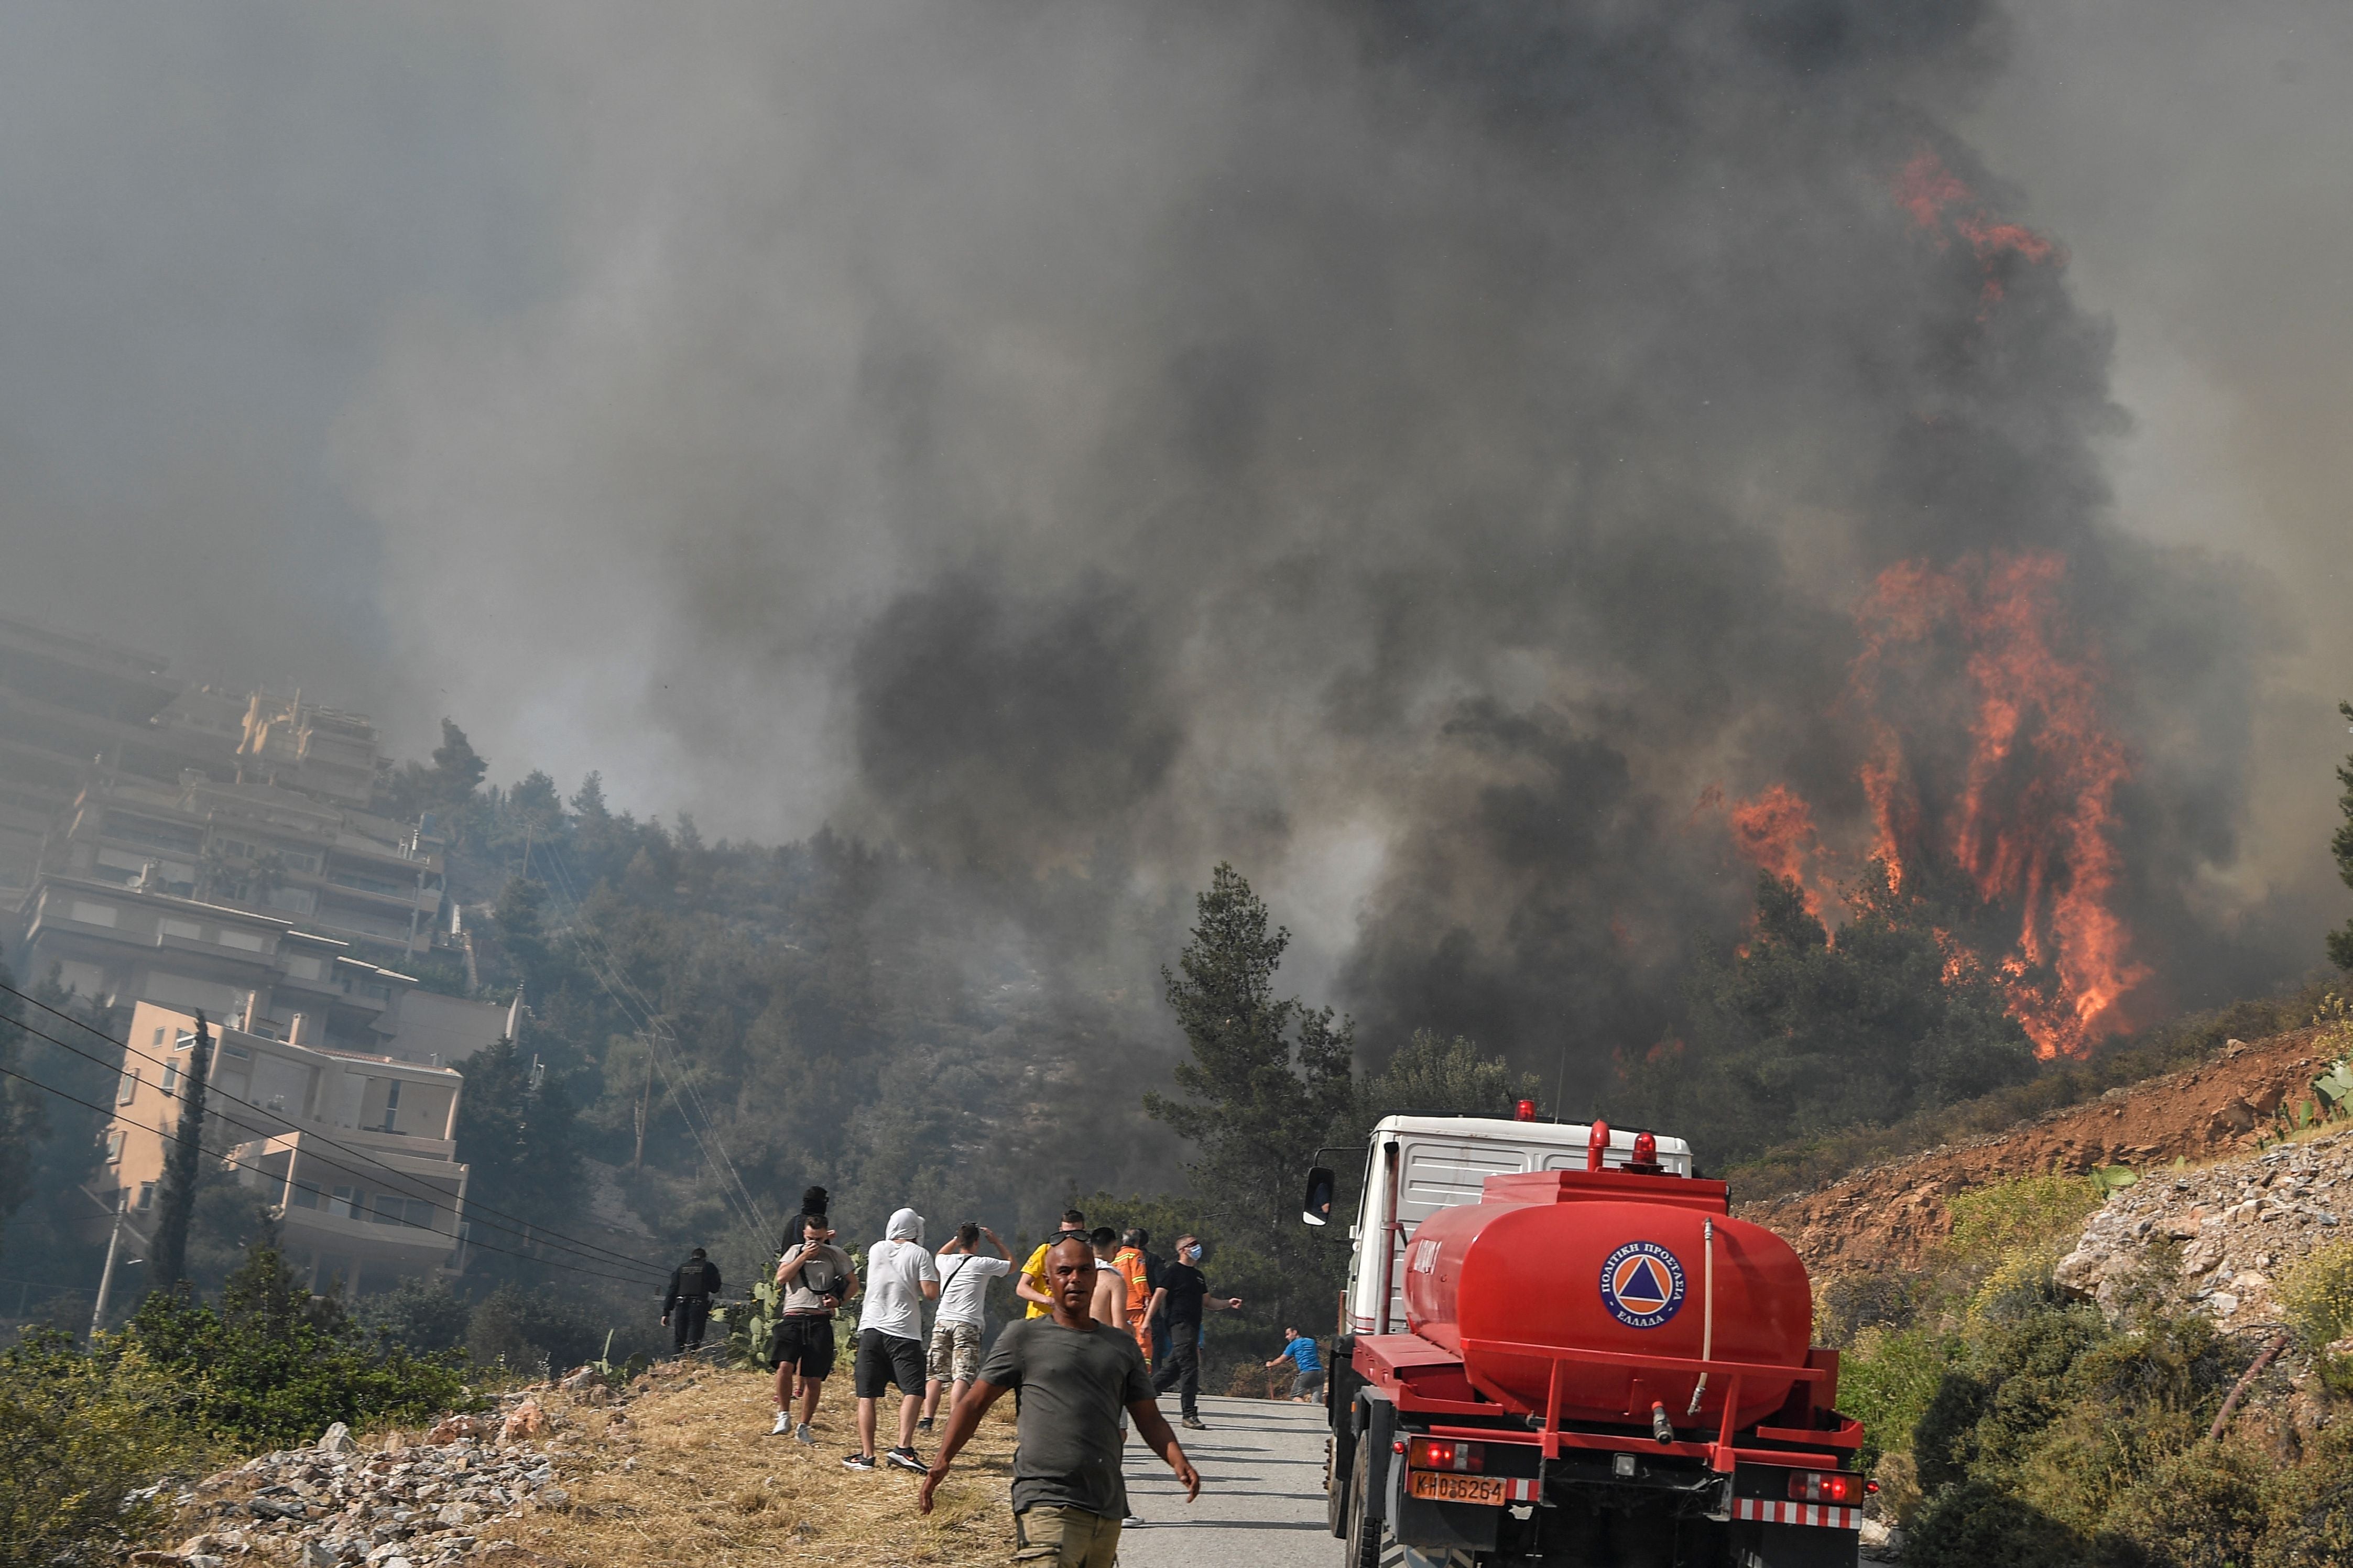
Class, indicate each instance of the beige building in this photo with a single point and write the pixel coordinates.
(355, 1151)
(72, 707)
(334, 869)
(125, 944)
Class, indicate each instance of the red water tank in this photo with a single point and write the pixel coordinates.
(1616, 1265)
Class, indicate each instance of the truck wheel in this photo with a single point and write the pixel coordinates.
(1363, 1530)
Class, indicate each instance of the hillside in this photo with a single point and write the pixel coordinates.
(1888, 1216)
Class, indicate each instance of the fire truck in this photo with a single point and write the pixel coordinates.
(1558, 1347)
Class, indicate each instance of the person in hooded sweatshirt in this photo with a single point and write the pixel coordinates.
(901, 1276)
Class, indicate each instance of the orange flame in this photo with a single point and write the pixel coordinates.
(1776, 832)
(2032, 828)
(1943, 206)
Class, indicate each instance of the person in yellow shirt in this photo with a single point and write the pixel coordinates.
(1031, 1285)
(1132, 1269)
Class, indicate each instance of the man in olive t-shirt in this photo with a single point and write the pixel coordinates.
(1076, 1375)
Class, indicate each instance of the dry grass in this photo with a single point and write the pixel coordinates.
(692, 1477)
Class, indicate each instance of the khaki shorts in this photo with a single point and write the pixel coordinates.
(956, 1354)
(1065, 1537)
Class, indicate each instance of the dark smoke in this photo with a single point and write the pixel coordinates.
(1414, 449)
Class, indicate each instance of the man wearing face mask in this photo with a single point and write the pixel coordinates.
(1184, 1296)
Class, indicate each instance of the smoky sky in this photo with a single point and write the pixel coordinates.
(1413, 450)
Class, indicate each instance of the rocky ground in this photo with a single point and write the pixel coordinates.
(1890, 1215)
(676, 1466)
(2216, 1240)
(457, 1492)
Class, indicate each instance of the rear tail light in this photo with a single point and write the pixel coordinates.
(1824, 1486)
(1445, 1454)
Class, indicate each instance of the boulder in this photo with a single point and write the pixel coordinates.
(336, 1439)
(523, 1423)
(453, 1428)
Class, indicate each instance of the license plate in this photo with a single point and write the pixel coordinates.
(1438, 1485)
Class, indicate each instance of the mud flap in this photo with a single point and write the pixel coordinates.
(1791, 1546)
(1375, 1423)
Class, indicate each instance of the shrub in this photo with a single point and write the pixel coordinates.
(273, 1364)
(2318, 1294)
(533, 1330)
(2311, 1507)
(1845, 1305)
(418, 1317)
(1887, 1381)
(2202, 1508)
(1977, 1524)
(2025, 1214)
(77, 1448)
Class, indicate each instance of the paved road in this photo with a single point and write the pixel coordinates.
(1261, 1466)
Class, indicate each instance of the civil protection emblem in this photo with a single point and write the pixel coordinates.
(1642, 1284)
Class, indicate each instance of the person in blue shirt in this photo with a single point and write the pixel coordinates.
(1299, 1350)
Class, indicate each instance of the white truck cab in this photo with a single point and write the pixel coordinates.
(1416, 1165)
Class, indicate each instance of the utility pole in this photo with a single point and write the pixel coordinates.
(181, 1167)
(113, 1248)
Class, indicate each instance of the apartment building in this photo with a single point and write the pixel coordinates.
(355, 1151)
(72, 706)
(128, 944)
(338, 871)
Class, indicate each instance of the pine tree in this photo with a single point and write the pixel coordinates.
(2340, 941)
(1268, 1082)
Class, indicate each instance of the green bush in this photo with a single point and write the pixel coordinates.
(2318, 1294)
(274, 1365)
(1975, 1523)
(77, 1446)
(2034, 1213)
(418, 1317)
(1887, 1381)
(2202, 1508)
(2311, 1506)
(534, 1331)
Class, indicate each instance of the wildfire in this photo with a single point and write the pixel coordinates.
(1775, 831)
(1941, 203)
(1986, 762)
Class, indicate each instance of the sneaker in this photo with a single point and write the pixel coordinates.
(1133, 1521)
(923, 1424)
(806, 1434)
(906, 1460)
(1195, 1423)
(783, 1424)
(857, 1462)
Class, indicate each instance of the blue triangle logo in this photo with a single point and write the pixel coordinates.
(1643, 1284)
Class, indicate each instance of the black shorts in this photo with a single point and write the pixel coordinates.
(885, 1359)
(804, 1344)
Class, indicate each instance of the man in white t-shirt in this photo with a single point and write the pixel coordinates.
(957, 1328)
(899, 1278)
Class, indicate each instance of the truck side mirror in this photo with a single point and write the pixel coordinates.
(1315, 1209)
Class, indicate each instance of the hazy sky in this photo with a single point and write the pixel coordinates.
(722, 397)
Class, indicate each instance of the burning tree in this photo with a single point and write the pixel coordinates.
(1990, 783)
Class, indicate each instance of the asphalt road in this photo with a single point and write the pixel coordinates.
(1261, 1466)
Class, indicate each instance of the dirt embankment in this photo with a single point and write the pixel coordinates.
(1890, 1215)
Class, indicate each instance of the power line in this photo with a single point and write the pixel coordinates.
(579, 1248)
(422, 1193)
(248, 1165)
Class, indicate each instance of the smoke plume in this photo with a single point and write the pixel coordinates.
(1451, 458)
(1426, 449)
